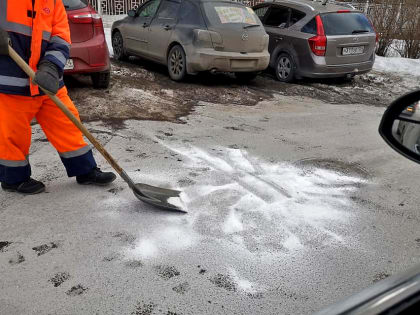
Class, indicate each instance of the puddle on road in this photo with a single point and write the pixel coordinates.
(346, 168)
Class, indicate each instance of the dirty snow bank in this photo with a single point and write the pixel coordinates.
(397, 65)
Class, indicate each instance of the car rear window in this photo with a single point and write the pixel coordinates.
(74, 4)
(278, 17)
(346, 23)
(310, 27)
(260, 12)
(222, 13)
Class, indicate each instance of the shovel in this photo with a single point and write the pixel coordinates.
(162, 198)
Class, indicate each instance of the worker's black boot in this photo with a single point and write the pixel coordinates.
(28, 187)
(96, 177)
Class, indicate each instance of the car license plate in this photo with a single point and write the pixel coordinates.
(69, 65)
(243, 64)
(353, 50)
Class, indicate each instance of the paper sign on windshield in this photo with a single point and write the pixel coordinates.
(235, 15)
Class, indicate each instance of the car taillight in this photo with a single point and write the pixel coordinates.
(318, 43)
(373, 27)
(208, 39)
(88, 18)
(85, 18)
(264, 42)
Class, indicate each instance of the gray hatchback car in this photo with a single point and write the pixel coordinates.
(193, 36)
(317, 39)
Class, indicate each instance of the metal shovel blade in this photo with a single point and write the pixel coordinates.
(158, 197)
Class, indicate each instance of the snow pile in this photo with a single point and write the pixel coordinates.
(254, 207)
(397, 65)
(107, 20)
(243, 284)
(163, 240)
(109, 41)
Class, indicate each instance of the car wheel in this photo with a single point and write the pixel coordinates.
(246, 76)
(285, 68)
(101, 80)
(118, 46)
(177, 63)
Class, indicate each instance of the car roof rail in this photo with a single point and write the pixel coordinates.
(298, 3)
(344, 4)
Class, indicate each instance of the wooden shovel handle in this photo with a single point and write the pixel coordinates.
(28, 70)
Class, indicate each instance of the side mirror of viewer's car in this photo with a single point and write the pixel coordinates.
(400, 126)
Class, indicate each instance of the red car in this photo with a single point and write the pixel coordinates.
(89, 52)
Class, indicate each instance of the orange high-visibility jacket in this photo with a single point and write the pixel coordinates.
(38, 30)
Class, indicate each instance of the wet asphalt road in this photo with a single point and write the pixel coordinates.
(293, 204)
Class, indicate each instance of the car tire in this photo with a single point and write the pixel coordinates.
(245, 76)
(118, 46)
(101, 80)
(285, 68)
(177, 63)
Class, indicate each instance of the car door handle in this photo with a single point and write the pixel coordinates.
(167, 27)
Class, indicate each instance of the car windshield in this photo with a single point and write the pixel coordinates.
(74, 4)
(346, 23)
(229, 13)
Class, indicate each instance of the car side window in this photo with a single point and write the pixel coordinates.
(169, 9)
(310, 27)
(260, 12)
(190, 14)
(278, 17)
(149, 10)
(296, 16)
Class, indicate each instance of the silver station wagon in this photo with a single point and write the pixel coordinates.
(194, 36)
(317, 39)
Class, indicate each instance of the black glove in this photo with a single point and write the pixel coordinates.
(47, 76)
(4, 42)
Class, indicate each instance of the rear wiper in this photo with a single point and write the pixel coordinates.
(360, 31)
(251, 25)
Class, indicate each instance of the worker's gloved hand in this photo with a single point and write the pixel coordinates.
(47, 76)
(4, 42)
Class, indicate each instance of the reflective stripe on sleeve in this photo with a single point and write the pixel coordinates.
(59, 40)
(58, 55)
(46, 36)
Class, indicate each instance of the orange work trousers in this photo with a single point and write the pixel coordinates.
(16, 114)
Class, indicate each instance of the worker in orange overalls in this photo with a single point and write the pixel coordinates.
(39, 32)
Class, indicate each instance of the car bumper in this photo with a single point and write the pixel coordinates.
(90, 56)
(210, 59)
(336, 71)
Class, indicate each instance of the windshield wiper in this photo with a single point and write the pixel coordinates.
(251, 25)
(360, 31)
